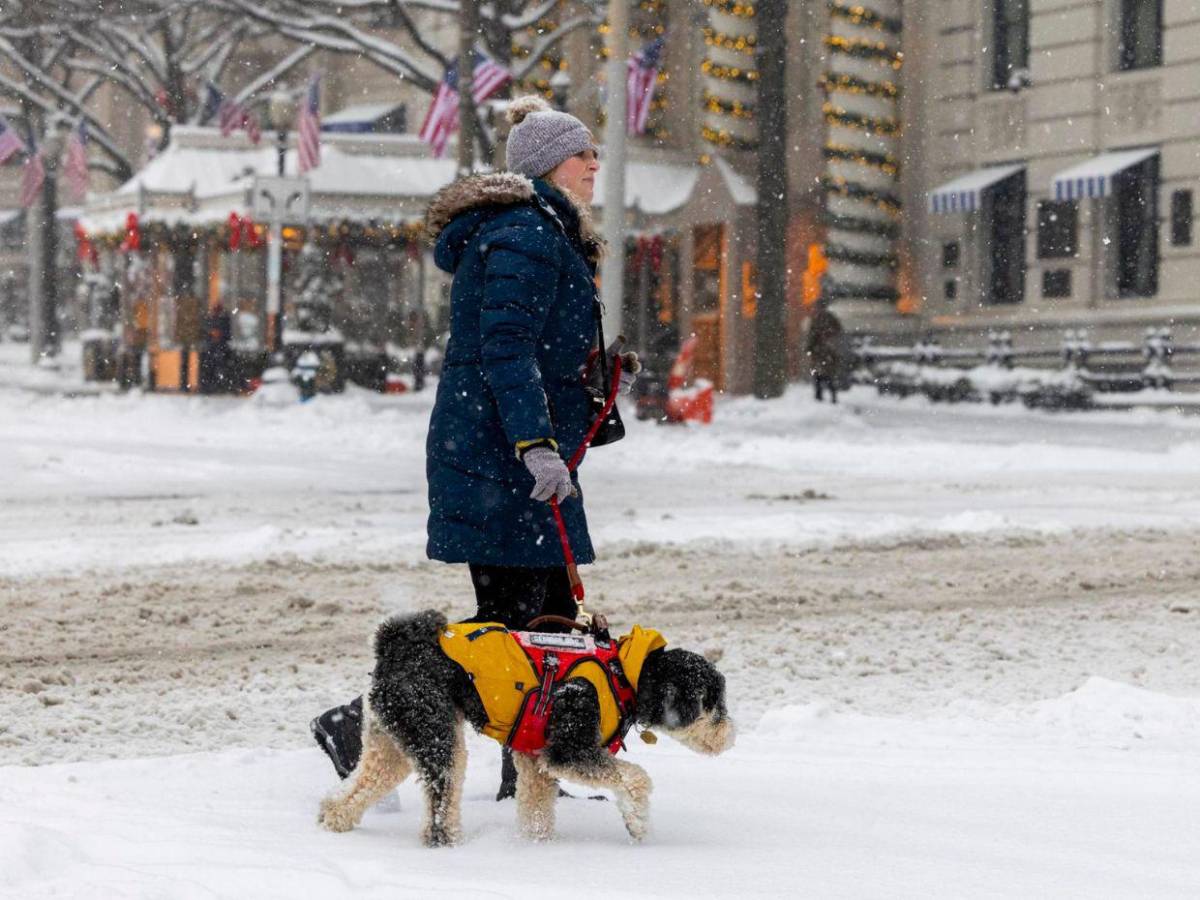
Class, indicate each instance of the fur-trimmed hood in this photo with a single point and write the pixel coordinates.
(480, 193)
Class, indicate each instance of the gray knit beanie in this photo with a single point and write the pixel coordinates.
(542, 137)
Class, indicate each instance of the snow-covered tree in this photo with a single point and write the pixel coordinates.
(317, 287)
(393, 34)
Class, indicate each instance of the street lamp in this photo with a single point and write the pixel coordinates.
(42, 246)
(279, 111)
(560, 86)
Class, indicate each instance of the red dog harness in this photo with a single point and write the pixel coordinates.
(558, 657)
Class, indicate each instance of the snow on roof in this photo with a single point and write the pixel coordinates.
(653, 188)
(742, 191)
(363, 112)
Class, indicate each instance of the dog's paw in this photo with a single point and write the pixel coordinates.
(638, 827)
(440, 837)
(332, 818)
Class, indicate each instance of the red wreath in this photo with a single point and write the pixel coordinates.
(133, 234)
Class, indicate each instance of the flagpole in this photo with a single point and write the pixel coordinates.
(468, 25)
(612, 272)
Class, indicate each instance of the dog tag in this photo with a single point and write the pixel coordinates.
(648, 737)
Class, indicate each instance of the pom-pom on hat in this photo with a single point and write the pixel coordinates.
(542, 137)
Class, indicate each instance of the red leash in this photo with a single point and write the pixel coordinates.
(572, 568)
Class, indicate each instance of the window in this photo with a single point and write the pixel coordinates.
(1006, 239)
(1057, 229)
(1010, 43)
(1140, 45)
(950, 255)
(951, 288)
(1181, 218)
(1136, 191)
(1056, 283)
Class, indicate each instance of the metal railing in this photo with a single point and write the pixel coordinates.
(1067, 376)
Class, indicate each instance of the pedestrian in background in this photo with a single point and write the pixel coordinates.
(823, 345)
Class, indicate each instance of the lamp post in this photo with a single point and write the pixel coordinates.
(42, 241)
(279, 109)
(560, 86)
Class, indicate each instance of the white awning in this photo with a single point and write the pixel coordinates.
(962, 194)
(1093, 177)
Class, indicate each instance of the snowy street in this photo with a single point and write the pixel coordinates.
(960, 646)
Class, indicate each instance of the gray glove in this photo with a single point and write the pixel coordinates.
(550, 475)
(630, 366)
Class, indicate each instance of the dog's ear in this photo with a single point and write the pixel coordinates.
(673, 688)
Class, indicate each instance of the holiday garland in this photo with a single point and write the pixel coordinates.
(884, 200)
(876, 51)
(723, 138)
(861, 225)
(884, 162)
(863, 206)
(852, 84)
(732, 8)
(742, 43)
(836, 115)
(860, 15)
(861, 257)
(249, 236)
(735, 108)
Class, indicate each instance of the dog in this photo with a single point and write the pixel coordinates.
(419, 699)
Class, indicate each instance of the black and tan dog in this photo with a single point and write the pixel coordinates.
(419, 697)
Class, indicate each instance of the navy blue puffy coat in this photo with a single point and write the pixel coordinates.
(522, 322)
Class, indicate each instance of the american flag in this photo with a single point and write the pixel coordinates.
(441, 121)
(75, 167)
(32, 176)
(230, 115)
(639, 85)
(308, 127)
(10, 141)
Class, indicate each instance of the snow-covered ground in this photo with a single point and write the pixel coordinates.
(961, 645)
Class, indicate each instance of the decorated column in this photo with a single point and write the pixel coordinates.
(730, 77)
(862, 167)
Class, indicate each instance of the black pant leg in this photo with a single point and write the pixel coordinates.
(515, 595)
(559, 599)
(510, 595)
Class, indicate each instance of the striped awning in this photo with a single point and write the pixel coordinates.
(1093, 177)
(962, 194)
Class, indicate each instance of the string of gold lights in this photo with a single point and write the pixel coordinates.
(884, 125)
(723, 107)
(864, 48)
(884, 162)
(740, 43)
(868, 18)
(842, 82)
(724, 138)
(732, 8)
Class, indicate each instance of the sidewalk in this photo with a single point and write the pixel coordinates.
(61, 376)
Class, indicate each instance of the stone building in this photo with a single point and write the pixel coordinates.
(1052, 154)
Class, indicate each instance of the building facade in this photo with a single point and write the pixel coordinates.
(1052, 157)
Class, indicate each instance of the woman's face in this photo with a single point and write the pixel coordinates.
(577, 174)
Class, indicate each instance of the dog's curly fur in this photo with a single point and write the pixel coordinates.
(413, 720)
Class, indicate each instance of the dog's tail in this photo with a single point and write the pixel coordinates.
(409, 628)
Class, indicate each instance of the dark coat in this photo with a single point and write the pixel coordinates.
(522, 322)
(824, 343)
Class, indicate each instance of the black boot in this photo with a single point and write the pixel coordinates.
(508, 775)
(338, 732)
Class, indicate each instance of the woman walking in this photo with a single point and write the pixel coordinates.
(512, 404)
